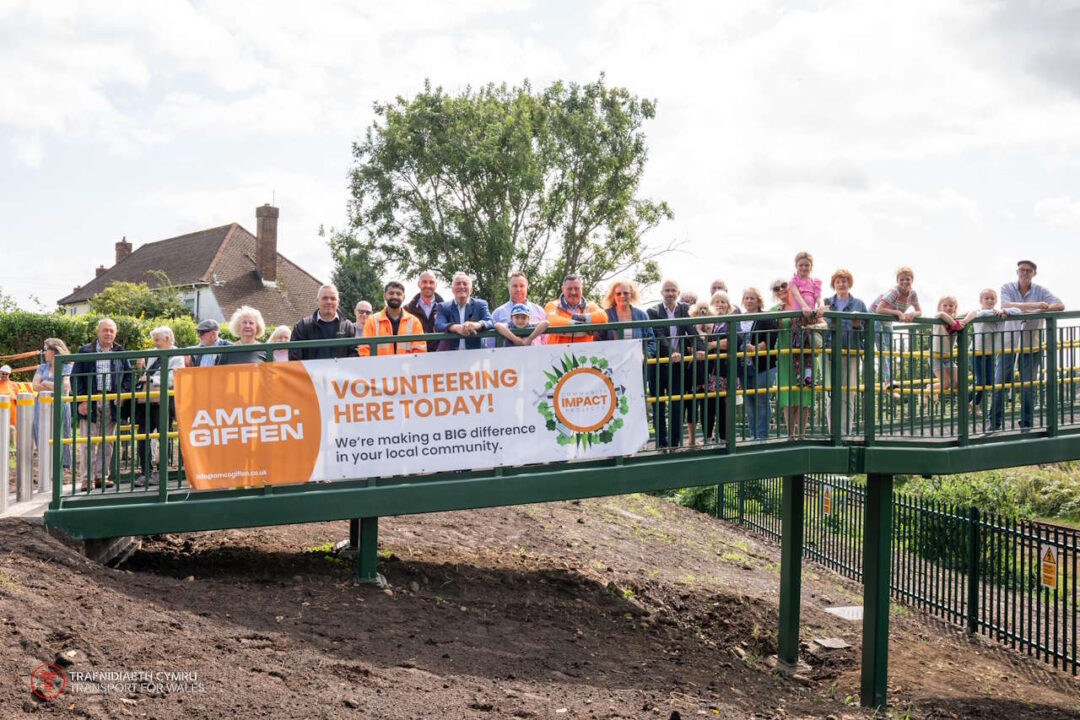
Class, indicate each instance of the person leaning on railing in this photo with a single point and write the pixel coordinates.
(717, 391)
(572, 309)
(462, 315)
(148, 400)
(247, 325)
(280, 334)
(207, 330)
(758, 369)
(98, 417)
(1024, 338)
(902, 302)
(987, 337)
(673, 343)
(390, 322)
(619, 306)
(44, 381)
(851, 343)
(326, 323)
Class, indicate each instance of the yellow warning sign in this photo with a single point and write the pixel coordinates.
(1048, 554)
(826, 502)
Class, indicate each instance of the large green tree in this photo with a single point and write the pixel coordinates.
(500, 178)
(358, 271)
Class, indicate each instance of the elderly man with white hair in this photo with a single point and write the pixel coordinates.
(324, 324)
(98, 416)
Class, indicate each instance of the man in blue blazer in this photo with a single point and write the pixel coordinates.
(462, 315)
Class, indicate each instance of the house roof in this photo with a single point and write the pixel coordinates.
(223, 258)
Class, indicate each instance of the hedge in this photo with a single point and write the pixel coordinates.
(25, 331)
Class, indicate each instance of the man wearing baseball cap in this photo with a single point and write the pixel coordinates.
(208, 337)
(1027, 336)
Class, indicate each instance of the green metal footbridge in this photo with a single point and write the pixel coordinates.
(746, 401)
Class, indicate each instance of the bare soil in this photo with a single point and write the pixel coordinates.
(619, 607)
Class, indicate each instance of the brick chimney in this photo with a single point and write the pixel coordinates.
(266, 242)
(100, 271)
(123, 249)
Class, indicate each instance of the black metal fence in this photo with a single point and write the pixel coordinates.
(1013, 580)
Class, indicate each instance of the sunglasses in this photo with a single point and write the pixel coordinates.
(363, 312)
(778, 288)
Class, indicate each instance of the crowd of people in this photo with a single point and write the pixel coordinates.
(779, 359)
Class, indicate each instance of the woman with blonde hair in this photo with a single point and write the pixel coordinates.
(618, 303)
(281, 334)
(44, 379)
(247, 325)
(758, 371)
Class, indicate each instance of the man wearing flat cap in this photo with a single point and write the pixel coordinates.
(208, 337)
(1026, 337)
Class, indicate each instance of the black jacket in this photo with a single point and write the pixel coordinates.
(427, 321)
(686, 340)
(86, 381)
(307, 329)
(762, 331)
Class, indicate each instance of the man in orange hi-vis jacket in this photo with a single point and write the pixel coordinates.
(572, 309)
(392, 320)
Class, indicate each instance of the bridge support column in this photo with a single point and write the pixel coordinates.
(877, 539)
(368, 532)
(791, 550)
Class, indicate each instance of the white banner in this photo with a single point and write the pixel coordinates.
(403, 414)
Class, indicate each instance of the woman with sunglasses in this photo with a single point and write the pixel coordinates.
(619, 306)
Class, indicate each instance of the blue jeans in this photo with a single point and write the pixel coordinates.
(757, 405)
(983, 367)
(1029, 370)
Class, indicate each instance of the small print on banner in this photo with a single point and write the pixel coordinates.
(398, 415)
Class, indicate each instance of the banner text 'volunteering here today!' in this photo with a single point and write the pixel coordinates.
(378, 399)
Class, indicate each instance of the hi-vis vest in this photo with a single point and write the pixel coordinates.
(378, 325)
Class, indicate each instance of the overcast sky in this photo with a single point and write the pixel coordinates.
(942, 135)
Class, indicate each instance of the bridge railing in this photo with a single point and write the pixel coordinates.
(1011, 579)
(722, 384)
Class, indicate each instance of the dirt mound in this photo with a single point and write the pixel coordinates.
(617, 607)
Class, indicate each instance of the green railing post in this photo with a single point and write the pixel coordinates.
(836, 360)
(163, 429)
(730, 407)
(962, 390)
(791, 550)
(1050, 402)
(973, 571)
(59, 405)
(742, 499)
(369, 549)
(869, 391)
(876, 582)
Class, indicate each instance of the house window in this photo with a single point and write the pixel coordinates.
(189, 303)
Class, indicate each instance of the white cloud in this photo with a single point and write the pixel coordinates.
(871, 135)
(1062, 213)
